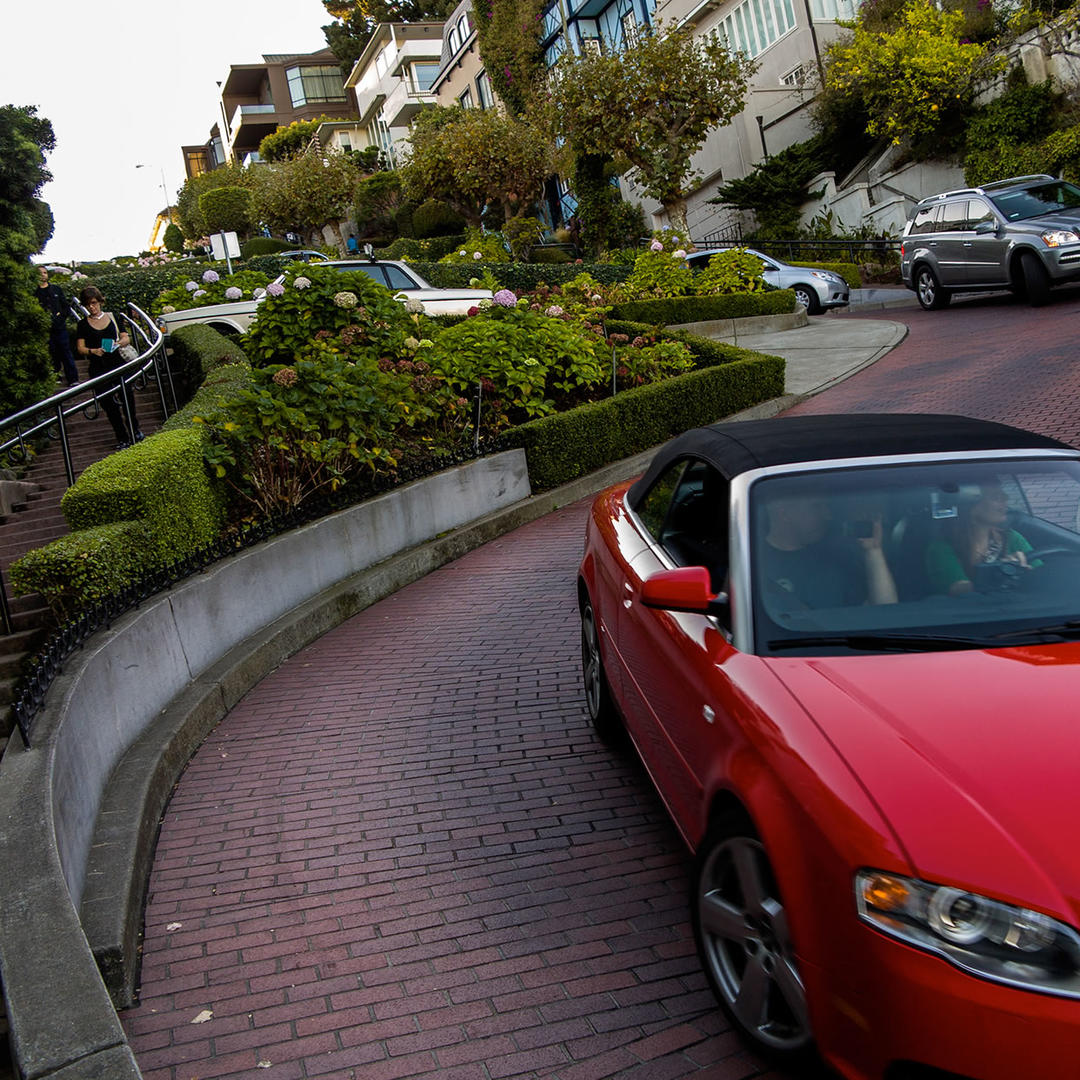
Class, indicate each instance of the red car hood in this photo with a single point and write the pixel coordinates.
(972, 756)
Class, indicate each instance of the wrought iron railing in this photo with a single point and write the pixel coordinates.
(23, 431)
(807, 250)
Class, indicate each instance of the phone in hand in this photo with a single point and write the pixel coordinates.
(107, 344)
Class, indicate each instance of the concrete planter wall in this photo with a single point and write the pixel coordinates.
(128, 711)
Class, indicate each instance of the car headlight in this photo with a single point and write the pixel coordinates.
(826, 275)
(985, 937)
(1057, 237)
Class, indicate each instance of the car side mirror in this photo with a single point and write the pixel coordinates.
(685, 589)
(985, 228)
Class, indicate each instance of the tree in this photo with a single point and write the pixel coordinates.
(289, 141)
(469, 158)
(226, 209)
(174, 238)
(508, 35)
(187, 201)
(652, 105)
(915, 80)
(26, 374)
(312, 190)
(355, 20)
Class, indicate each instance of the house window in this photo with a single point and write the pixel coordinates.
(755, 24)
(629, 30)
(422, 77)
(797, 76)
(455, 40)
(463, 27)
(591, 46)
(831, 10)
(309, 85)
(345, 142)
(484, 94)
(465, 101)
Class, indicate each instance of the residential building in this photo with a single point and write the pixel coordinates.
(257, 99)
(784, 37)
(392, 82)
(462, 79)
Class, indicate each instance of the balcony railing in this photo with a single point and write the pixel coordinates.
(251, 112)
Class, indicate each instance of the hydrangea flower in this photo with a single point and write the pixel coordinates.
(345, 299)
(260, 291)
(483, 305)
(463, 253)
(413, 306)
(474, 310)
(233, 293)
(504, 298)
(302, 283)
(285, 377)
(656, 246)
(199, 292)
(680, 254)
(274, 289)
(477, 255)
(210, 276)
(168, 309)
(411, 343)
(554, 311)
(425, 343)
(190, 286)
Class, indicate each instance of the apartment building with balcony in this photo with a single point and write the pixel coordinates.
(392, 81)
(784, 37)
(257, 99)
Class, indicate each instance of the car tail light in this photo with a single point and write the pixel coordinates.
(901, 251)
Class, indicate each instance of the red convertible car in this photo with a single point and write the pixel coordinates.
(847, 650)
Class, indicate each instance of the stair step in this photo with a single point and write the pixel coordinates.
(11, 665)
(21, 641)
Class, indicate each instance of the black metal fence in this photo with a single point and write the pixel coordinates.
(853, 251)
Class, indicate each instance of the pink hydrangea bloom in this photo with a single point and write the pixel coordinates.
(233, 293)
(505, 298)
(656, 246)
(210, 276)
(274, 289)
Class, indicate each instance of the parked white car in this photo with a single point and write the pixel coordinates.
(402, 280)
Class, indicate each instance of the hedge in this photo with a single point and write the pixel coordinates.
(521, 277)
(219, 385)
(688, 309)
(196, 351)
(143, 508)
(705, 351)
(562, 447)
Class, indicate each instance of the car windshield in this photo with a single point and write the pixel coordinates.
(976, 553)
(1038, 200)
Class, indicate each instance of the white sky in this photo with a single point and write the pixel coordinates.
(124, 83)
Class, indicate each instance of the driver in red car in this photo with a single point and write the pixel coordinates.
(804, 563)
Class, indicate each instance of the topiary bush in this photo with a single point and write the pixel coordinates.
(264, 245)
(197, 351)
(436, 218)
(689, 309)
(562, 447)
(219, 387)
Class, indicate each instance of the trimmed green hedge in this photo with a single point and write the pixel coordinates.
(561, 448)
(196, 351)
(688, 309)
(220, 384)
(83, 568)
(705, 351)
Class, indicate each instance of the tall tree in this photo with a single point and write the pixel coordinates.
(508, 33)
(354, 21)
(310, 191)
(652, 105)
(25, 225)
(187, 201)
(470, 158)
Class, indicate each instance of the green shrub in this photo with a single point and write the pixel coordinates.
(520, 277)
(285, 326)
(219, 387)
(705, 351)
(211, 288)
(264, 245)
(197, 350)
(731, 271)
(689, 309)
(659, 273)
(549, 255)
(226, 209)
(83, 568)
(404, 247)
(270, 264)
(567, 445)
(162, 482)
(436, 218)
(488, 246)
(139, 286)
(174, 238)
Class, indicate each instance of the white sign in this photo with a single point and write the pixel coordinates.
(225, 244)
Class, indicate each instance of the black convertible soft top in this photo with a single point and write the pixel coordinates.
(734, 448)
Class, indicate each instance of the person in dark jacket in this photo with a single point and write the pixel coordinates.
(52, 299)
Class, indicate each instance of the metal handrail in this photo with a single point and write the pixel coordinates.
(47, 417)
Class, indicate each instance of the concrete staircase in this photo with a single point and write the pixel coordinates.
(30, 517)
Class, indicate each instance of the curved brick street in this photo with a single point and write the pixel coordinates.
(405, 855)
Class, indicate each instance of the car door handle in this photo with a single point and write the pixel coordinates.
(710, 716)
(968, 243)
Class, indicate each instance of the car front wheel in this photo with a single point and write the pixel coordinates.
(929, 291)
(808, 298)
(602, 712)
(1036, 279)
(742, 935)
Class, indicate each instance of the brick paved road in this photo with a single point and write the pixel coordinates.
(404, 854)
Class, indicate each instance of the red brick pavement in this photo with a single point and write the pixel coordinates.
(991, 357)
(404, 854)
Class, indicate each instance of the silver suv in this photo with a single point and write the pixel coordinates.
(1021, 234)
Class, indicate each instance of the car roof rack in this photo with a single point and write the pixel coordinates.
(1012, 181)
